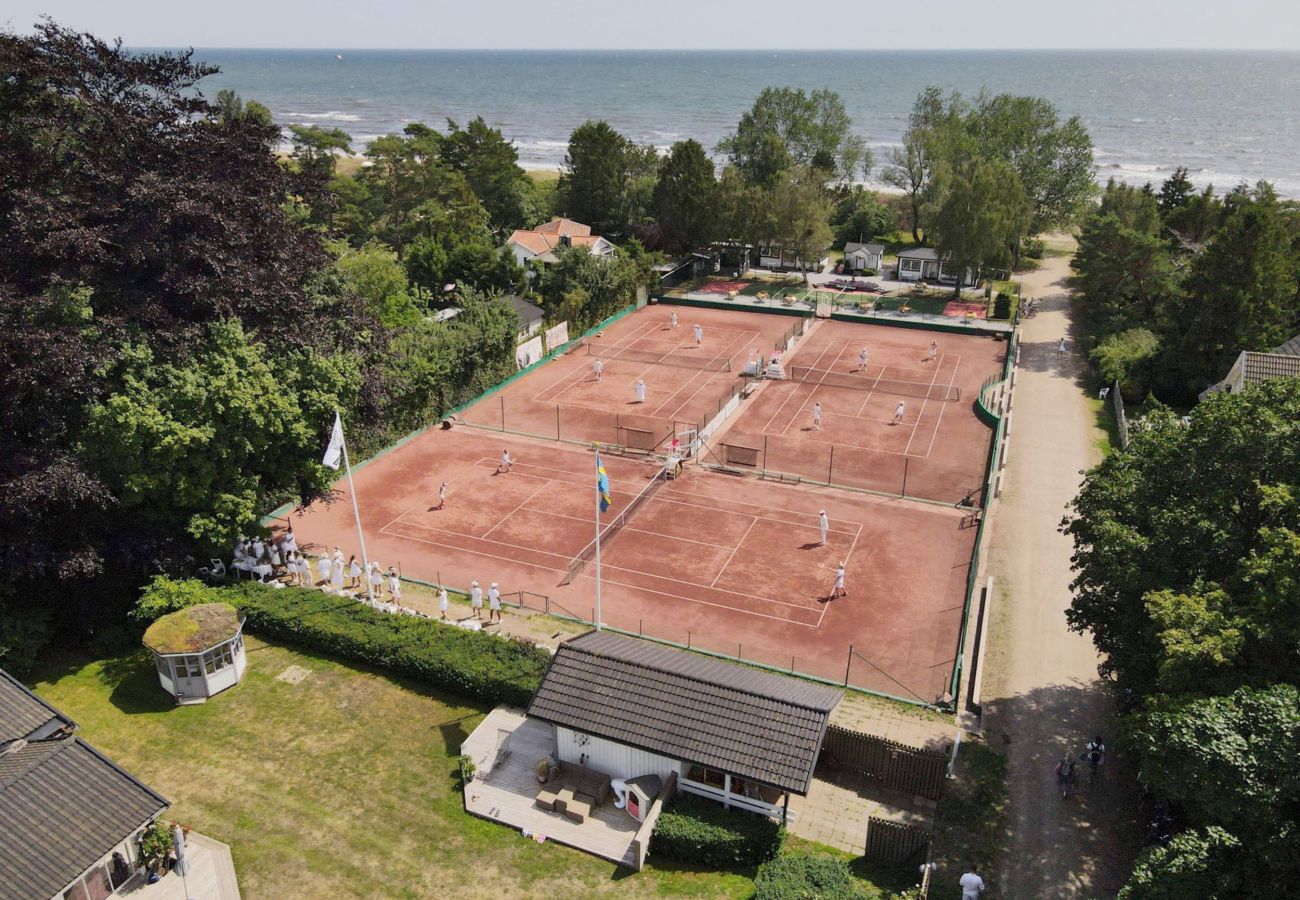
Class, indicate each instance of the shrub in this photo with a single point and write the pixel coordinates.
(695, 830)
(164, 595)
(1127, 357)
(1002, 306)
(1034, 248)
(470, 663)
(802, 876)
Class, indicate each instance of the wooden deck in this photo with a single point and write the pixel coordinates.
(504, 790)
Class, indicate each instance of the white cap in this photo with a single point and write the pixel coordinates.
(821, 512)
(473, 584)
(494, 584)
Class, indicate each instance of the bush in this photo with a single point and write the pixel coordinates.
(1002, 306)
(164, 595)
(470, 663)
(1127, 357)
(695, 830)
(801, 876)
(1034, 248)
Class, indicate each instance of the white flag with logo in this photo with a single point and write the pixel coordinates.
(334, 452)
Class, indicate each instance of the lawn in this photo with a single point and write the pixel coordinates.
(341, 785)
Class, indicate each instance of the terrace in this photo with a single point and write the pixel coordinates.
(505, 748)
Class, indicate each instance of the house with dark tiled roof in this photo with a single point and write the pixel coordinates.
(1253, 368)
(630, 708)
(70, 817)
(540, 243)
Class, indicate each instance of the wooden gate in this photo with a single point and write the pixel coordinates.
(892, 765)
(896, 844)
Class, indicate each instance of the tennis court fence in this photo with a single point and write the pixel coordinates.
(586, 425)
(782, 458)
(919, 390)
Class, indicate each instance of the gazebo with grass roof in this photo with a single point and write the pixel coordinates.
(199, 651)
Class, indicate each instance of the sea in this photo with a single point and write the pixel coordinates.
(1228, 116)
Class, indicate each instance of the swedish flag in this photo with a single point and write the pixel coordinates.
(602, 484)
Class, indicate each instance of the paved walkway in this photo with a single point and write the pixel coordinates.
(1042, 693)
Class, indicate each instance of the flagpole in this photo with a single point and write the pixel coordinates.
(596, 614)
(356, 513)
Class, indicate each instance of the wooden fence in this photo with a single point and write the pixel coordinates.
(896, 844)
(892, 765)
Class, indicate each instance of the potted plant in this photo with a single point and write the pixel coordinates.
(156, 846)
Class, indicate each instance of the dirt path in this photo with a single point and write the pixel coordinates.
(1044, 697)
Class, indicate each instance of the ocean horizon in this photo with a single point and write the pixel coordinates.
(1220, 113)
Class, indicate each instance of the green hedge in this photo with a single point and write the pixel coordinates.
(470, 663)
(801, 876)
(695, 830)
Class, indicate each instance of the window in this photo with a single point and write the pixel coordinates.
(209, 662)
(98, 885)
(910, 265)
(76, 892)
(711, 777)
(192, 666)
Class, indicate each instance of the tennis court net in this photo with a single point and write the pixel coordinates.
(615, 525)
(700, 363)
(921, 390)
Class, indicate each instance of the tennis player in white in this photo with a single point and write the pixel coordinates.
(823, 526)
(817, 416)
(640, 391)
(862, 360)
(598, 368)
(476, 599)
(506, 461)
(899, 410)
(699, 336)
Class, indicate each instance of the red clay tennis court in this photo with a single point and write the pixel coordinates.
(932, 446)
(686, 383)
(720, 563)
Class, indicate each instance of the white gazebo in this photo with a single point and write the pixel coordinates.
(199, 651)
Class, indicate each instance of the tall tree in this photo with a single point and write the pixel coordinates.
(595, 179)
(1175, 192)
(685, 198)
(983, 211)
(787, 127)
(800, 209)
(909, 172)
(490, 165)
(1241, 292)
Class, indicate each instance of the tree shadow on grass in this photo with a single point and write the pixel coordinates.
(135, 687)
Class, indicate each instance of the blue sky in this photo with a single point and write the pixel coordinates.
(678, 24)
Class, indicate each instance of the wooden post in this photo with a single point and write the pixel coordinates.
(848, 666)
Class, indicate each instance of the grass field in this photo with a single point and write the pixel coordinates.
(342, 785)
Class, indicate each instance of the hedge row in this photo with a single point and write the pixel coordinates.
(470, 663)
(695, 830)
(801, 876)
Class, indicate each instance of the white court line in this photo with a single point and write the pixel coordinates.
(739, 336)
(917, 424)
(734, 550)
(762, 515)
(768, 424)
(939, 421)
(510, 514)
(847, 556)
(582, 371)
(737, 609)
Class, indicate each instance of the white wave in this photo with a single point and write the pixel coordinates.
(333, 116)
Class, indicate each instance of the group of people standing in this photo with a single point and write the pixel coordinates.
(280, 560)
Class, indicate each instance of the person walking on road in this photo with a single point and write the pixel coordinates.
(971, 884)
(1060, 347)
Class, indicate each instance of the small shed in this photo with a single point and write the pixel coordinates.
(860, 257)
(199, 651)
